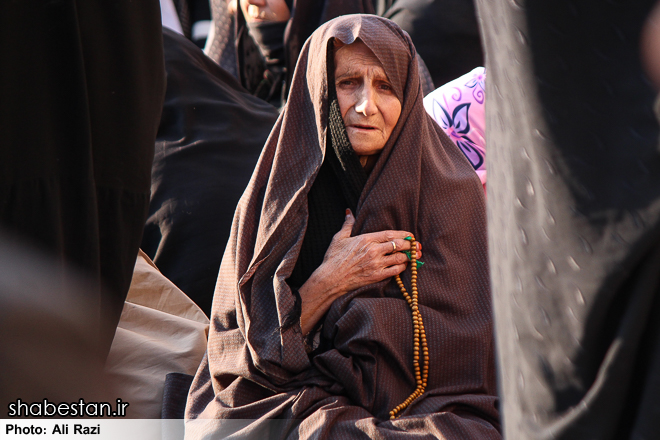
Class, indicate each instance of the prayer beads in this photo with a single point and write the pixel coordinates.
(419, 335)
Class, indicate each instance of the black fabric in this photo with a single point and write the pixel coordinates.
(251, 64)
(344, 162)
(81, 90)
(334, 190)
(175, 394)
(210, 137)
(269, 37)
(574, 218)
(445, 33)
(327, 206)
(200, 10)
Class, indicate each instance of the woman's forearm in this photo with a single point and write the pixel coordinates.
(317, 294)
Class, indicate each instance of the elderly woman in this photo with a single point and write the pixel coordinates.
(309, 325)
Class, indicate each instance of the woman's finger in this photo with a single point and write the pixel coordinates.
(347, 227)
(398, 245)
(388, 235)
(392, 271)
(419, 250)
(394, 259)
(395, 245)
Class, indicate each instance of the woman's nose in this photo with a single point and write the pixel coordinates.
(366, 103)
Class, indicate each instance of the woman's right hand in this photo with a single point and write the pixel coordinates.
(351, 263)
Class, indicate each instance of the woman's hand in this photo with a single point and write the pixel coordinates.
(351, 263)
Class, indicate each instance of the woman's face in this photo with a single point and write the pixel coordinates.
(265, 10)
(367, 102)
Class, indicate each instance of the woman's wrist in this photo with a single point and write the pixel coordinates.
(317, 294)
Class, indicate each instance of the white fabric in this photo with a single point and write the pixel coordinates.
(201, 29)
(169, 17)
(161, 331)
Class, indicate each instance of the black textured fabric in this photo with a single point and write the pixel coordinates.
(210, 137)
(220, 45)
(345, 162)
(269, 39)
(175, 393)
(574, 218)
(183, 11)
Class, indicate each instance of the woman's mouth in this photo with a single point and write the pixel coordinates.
(363, 127)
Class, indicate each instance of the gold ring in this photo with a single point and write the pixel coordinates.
(393, 246)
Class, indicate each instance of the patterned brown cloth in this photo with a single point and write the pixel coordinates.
(255, 369)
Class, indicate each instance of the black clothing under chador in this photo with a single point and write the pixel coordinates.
(210, 137)
(81, 90)
(574, 218)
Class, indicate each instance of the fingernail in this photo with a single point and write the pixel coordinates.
(348, 212)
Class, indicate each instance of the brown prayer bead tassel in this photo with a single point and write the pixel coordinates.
(419, 335)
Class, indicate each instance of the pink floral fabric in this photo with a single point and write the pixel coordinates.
(458, 107)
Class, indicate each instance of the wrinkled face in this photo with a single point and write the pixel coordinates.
(265, 10)
(367, 102)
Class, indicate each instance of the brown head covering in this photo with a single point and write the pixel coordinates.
(256, 367)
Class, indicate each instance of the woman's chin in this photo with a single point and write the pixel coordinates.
(366, 147)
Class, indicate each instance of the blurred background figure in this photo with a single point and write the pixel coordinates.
(80, 99)
(220, 41)
(49, 323)
(574, 218)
